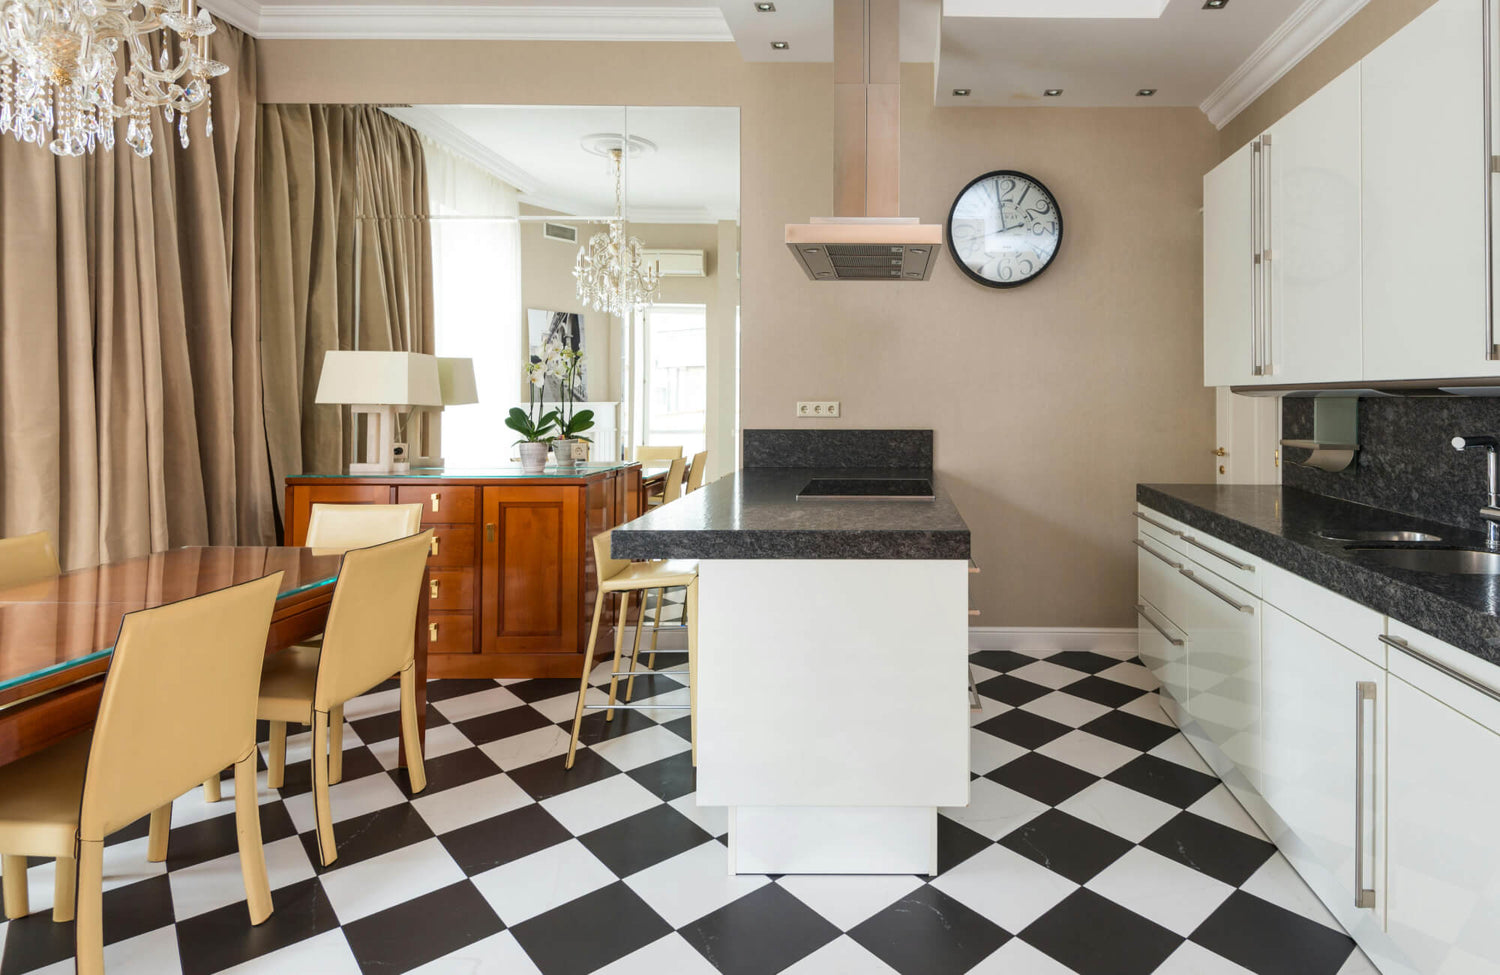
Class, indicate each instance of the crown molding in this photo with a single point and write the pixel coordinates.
(471, 21)
(455, 139)
(1309, 25)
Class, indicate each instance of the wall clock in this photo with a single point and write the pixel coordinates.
(1004, 229)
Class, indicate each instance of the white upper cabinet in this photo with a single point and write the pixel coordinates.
(1229, 274)
(1426, 168)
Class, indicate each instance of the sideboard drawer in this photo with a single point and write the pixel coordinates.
(442, 504)
(452, 545)
(450, 633)
(450, 589)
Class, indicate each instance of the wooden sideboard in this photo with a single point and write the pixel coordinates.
(513, 580)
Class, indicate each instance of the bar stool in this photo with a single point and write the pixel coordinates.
(625, 577)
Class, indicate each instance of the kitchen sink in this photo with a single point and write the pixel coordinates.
(1360, 535)
(1451, 561)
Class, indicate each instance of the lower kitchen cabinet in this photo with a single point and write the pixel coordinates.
(1222, 623)
(1163, 649)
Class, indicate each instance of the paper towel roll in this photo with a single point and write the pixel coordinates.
(1329, 460)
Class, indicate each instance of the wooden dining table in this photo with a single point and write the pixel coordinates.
(57, 635)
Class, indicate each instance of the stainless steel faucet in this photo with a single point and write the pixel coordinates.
(1491, 511)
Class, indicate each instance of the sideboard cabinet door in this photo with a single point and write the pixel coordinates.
(532, 569)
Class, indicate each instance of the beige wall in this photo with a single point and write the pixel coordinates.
(1050, 401)
(1363, 32)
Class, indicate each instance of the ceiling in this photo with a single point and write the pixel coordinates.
(693, 176)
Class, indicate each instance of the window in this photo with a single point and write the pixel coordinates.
(674, 377)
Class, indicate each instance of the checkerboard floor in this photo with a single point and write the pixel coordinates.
(1096, 842)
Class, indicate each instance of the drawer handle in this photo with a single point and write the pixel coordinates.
(1218, 555)
(432, 588)
(436, 500)
(1364, 690)
(1237, 606)
(432, 632)
(1147, 548)
(434, 546)
(1153, 521)
(1438, 665)
(489, 532)
(1141, 609)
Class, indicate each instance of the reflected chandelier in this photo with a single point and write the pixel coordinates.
(613, 276)
(60, 61)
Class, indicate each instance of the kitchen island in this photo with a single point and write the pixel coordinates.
(832, 690)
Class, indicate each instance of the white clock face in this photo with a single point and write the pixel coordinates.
(1005, 229)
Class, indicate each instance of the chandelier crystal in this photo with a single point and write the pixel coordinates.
(60, 62)
(612, 272)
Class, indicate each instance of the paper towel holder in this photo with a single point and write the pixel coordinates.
(1335, 439)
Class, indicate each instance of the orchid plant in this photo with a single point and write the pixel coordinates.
(570, 424)
(532, 427)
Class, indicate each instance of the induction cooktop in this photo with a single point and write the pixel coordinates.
(867, 489)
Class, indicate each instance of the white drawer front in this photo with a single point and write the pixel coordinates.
(1239, 567)
(1342, 620)
(1166, 531)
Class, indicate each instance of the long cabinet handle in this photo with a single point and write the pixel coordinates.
(1257, 181)
(1243, 567)
(1152, 521)
(1439, 666)
(1175, 641)
(1489, 178)
(1147, 548)
(1241, 608)
(1364, 691)
(1268, 278)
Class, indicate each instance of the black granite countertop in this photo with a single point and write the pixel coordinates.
(755, 514)
(1280, 525)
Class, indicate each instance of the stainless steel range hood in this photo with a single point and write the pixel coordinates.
(866, 240)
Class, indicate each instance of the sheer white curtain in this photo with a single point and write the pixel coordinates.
(477, 295)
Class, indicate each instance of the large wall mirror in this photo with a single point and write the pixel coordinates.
(517, 190)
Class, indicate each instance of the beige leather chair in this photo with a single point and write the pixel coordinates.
(368, 638)
(27, 558)
(179, 702)
(697, 470)
(657, 455)
(625, 577)
(672, 486)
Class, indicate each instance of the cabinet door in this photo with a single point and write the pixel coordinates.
(1425, 168)
(1222, 622)
(1311, 159)
(1444, 849)
(1229, 277)
(1320, 745)
(532, 569)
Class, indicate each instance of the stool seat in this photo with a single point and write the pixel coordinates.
(39, 798)
(652, 575)
(288, 684)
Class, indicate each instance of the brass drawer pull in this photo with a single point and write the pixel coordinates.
(432, 632)
(432, 588)
(489, 532)
(434, 546)
(436, 500)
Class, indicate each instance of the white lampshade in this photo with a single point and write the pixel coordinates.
(380, 378)
(457, 378)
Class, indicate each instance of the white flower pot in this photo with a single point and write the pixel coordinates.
(534, 457)
(563, 452)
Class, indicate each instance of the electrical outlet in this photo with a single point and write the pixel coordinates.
(811, 408)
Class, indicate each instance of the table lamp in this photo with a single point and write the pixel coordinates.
(382, 388)
(456, 379)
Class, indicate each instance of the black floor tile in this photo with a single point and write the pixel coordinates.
(451, 770)
(1129, 730)
(1102, 690)
(500, 839)
(548, 778)
(1043, 779)
(1085, 660)
(668, 779)
(681, 727)
(929, 933)
(761, 933)
(956, 843)
(1156, 777)
(1001, 661)
(422, 929)
(210, 839)
(1066, 845)
(1023, 728)
(485, 728)
(1221, 852)
(1011, 690)
(359, 762)
(449, 688)
(383, 727)
(542, 688)
(636, 842)
(33, 942)
(1271, 940)
(1095, 936)
(586, 934)
(597, 727)
(370, 835)
(222, 938)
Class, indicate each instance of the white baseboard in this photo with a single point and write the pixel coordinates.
(1111, 640)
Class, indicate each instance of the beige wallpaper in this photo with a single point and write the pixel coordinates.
(1050, 401)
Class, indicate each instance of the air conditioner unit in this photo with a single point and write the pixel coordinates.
(677, 263)
(560, 231)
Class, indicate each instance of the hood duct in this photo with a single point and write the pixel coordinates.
(866, 240)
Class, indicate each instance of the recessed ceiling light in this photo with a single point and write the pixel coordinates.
(770, 8)
(1052, 92)
(1215, 4)
(961, 92)
(779, 45)
(1145, 93)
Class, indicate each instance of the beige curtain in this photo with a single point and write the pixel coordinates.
(130, 415)
(345, 260)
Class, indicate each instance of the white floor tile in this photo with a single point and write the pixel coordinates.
(1088, 752)
(846, 900)
(363, 888)
(350, 798)
(994, 810)
(713, 819)
(562, 707)
(477, 704)
(1148, 706)
(370, 705)
(1048, 675)
(1178, 898)
(1071, 711)
(535, 884)
(207, 886)
(154, 952)
(1133, 674)
(1124, 812)
(670, 955)
(1178, 749)
(641, 747)
(981, 674)
(498, 954)
(443, 739)
(1191, 959)
(692, 884)
(461, 805)
(842, 956)
(1005, 887)
(1278, 882)
(1221, 806)
(988, 708)
(531, 746)
(1016, 957)
(987, 752)
(610, 800)
(1360, 964)
(326, 954)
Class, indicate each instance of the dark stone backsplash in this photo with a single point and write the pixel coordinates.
(838, 448)
(1406, 462)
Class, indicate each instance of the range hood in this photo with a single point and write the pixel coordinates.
(866, 240)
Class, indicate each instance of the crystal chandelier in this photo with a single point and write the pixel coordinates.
(59, 62)
(613, 276)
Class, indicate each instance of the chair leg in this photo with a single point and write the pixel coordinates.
(161, 828)
(17, 901)
(90, 925)
(326, 849)
(64, 889)
(655, 628)
(276, 774)
(583, 685)
(211, 790)
(620, 621)
(692, 625)
(635, 648)
(336, 745)
(416, 771)
(247, 828)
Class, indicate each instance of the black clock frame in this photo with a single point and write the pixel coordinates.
(976, 276)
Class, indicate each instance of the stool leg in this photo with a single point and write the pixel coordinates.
(161, 828)
(655, 628)
(89, 928)
(276, 773)
(247, 830)
(692, 625)
(64, 889)
(211, 790)
(327, 849)
(336, 745)
(635, 649)
(583, 685)
(620, 622)
(416, 768)
(17, 901)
